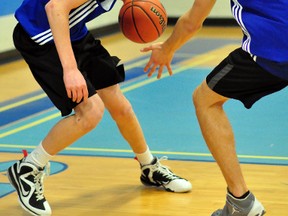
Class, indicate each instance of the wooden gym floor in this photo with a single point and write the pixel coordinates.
(98, 176)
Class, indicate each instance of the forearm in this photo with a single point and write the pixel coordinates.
(59, 23)
(189, 24)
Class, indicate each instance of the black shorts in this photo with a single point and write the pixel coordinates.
(99, 69)
(239, 77)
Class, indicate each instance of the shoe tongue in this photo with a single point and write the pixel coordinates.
(31, 166)
(154, 161)
(27, 168)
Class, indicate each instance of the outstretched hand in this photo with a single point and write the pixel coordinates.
(159, 59)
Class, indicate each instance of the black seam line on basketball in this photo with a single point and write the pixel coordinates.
(136, 25)
(156, 6)
(122, 22)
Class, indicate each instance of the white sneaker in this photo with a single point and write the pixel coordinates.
(155, 174)
(27, 179)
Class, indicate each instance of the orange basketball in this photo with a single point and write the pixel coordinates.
(142, 21)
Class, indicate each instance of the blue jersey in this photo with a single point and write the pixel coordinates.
(265, 27)
(32, 17)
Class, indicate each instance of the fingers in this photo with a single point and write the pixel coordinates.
(160, 70)
(169, 70)
(74, 95)
(85, 94)
(151, 68)
(148, 65)
(69, 93)
(146, 49)
(78, 94)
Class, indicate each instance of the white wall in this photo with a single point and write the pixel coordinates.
(221, 10)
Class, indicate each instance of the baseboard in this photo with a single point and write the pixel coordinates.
(9, 56)
(221, 22)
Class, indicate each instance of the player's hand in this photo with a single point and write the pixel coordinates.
(76, 86)
(159, 59)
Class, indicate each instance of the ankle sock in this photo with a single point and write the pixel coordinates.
(38, 156)
(241, 197)
(145, 157)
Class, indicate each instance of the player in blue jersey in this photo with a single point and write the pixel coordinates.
(78, 74)
(257, 69)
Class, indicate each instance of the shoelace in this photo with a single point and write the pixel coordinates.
(165, 170)
(38, 180)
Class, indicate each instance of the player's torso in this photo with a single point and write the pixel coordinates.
(265, 26)
(32, 16)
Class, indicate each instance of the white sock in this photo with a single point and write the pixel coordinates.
(145, 157)
(38, 156)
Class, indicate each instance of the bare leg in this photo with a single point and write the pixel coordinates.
(121, 111)
(68, 130)
(126, 120)
(218, 134)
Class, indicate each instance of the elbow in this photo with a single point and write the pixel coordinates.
(56, 9)
(190, 26)
(56, 5)
(49, 7)
(193, 28)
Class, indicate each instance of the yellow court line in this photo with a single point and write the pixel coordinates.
(22, 102)
(154, 152)
(202, 59)
(43, 95)
(24, 127)
(136, 64)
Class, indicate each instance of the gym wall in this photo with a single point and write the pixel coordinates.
(221, 11)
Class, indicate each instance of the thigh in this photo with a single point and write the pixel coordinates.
(113, 98)
(203, 96)
(46, 68)
(92, 107)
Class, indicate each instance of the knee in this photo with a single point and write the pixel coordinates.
(89, 118)
(203, 98)
(197, 97)
(123, 111)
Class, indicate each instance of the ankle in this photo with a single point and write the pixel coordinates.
(39, 157)
(243, 196)
(145, 157)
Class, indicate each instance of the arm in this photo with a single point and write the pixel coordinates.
(186, 27)
(58, 13)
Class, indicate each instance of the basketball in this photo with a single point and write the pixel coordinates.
(142, 21)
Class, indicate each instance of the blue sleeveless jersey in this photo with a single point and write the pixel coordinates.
(265, 27)
(32, 17)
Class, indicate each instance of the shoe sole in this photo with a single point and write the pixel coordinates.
(258, 207)
(261, 214)
(156, 186)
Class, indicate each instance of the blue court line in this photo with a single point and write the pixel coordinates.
(187, 156)
(6, 132)
(18, 108)
(178, 155)
(138, 80)
(21, 107)
(127, 88)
